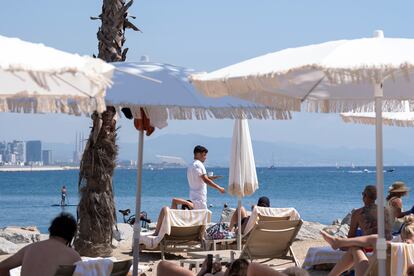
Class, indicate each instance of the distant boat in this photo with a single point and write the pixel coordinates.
(352, 165)
(337, 166)
(273, 163)
(390, 170)
(366, 171)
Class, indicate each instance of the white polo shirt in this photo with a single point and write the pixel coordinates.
(198, 189)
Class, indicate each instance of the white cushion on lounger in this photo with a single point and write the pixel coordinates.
(269, 212)
(176, 218)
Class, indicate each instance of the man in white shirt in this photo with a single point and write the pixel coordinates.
(198, 179)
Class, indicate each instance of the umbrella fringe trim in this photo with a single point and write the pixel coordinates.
(189, 113)
(357, 106)
(26, 103)
(371, 121)
(262, 88)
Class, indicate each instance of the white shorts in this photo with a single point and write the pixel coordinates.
(198, 204)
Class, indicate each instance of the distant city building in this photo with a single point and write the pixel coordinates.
(33, 151)
(47, 157)
(20, 151)
(79, 147)
(13, 153)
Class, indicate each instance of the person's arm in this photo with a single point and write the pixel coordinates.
(397, 204)
(211, 183)
(177, 201)
(12, 262)
(354, 224)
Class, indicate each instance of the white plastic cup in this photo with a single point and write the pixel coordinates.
(210, 174)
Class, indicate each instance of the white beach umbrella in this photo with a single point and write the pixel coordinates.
(399, 119)
(242, 169)
(360, 75)
(163, 92)
(39, 79)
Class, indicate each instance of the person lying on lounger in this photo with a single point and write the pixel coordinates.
(239, 267)
(262, 202)
(185, 204)
(356, 245)
(44, 257)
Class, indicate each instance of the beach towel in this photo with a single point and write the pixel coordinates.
(173, 218)
(94, 267)
(402, 256)
(323, 255)
(270, 212)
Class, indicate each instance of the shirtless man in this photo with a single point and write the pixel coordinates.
(44, 257)
(63, 193)
(365, 217)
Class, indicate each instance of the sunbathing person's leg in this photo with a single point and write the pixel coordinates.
(234, 217)
(167, 268)
(256, 269)
(361, 241)
(344, 264)
(360, 260)
(161, 216)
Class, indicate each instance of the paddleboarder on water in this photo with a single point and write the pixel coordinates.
(63, 196)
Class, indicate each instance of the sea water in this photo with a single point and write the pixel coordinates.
(319, 194)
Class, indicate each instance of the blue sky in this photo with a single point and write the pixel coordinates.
(207, 35)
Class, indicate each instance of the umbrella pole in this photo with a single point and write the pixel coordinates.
(381, 243)
(239, 237)
(137, 224)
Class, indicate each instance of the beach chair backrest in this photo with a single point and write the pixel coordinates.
(186, 232)
(271, 218)
(271, 239)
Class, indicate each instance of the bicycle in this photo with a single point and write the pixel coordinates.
(131, 219)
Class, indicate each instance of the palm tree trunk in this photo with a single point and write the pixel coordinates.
(96, 209)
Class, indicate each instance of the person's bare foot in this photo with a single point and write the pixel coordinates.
(330, 239)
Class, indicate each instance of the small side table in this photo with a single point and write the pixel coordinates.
(222, 241)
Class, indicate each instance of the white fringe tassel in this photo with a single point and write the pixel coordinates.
(263, 88)
(51, 104)
(371, 121)
(191, 113)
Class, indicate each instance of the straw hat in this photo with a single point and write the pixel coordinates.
(398, 187)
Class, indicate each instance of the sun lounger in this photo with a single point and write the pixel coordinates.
(399, 257)
(180, 230)
(271, 240)
(120, 268)
(269, 214)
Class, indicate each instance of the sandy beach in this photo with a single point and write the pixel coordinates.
(151, 259)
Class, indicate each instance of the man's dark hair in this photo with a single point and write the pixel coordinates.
(263, 202)
(64, 226)
(200, 149)
(370, 192)
(185, 206)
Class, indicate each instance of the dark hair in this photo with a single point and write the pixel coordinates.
(238, 268)
(185, 206)
(370, 191)
(200, 149)
(64, 226)
(263, 202)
